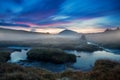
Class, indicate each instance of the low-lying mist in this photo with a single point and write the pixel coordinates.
(38, 38)
(111, 39)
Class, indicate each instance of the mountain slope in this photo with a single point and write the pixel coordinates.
(9, 34)
(3, 30)
(68, 32)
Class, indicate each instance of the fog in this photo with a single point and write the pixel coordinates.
(49, 39)
(106, 37)
(38, 38)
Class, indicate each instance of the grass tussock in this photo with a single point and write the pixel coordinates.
(53, 55)
(4, 56)
(106, 70)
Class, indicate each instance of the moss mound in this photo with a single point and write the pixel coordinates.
(53, 55)
(4, 56)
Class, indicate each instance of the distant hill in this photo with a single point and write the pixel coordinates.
(112, 30)
(68, 32)
(109, 38)
(11, 31)
(15, 35)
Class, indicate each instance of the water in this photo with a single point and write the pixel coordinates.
(44, 65)
(18, 47)
(85, 61)
(17, 56)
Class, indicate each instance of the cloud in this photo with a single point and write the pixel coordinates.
(58, 13)
(61, 17)
(89, 7)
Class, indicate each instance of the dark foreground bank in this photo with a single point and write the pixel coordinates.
(103, 70)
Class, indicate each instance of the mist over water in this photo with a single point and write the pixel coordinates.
(106, 37)
(38, 38)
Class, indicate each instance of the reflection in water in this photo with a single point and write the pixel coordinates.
(87, 60)
(84, 63)
(18, 55)
(44, 65)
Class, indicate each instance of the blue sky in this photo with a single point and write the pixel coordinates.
(71, 14)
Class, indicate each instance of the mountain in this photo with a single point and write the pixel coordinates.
(110, 38)
(11, 31)
(108, 30)
(16, 35)
(68, 32)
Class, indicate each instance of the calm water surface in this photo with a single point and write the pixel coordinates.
(83, 63)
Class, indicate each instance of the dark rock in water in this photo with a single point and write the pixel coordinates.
(52, 55)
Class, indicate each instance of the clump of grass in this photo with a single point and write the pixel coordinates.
(4, 56)
(106, 70)
(53, 55)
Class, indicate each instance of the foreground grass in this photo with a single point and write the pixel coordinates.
(15, 72)
(103, 70)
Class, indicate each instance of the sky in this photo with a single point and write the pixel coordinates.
(53, 16)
